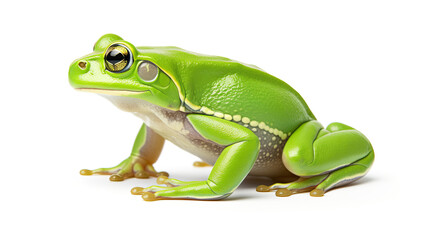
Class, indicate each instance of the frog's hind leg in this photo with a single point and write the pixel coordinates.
(344, 175)
(324, 158)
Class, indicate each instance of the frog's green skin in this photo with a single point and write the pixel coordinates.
(234, 116)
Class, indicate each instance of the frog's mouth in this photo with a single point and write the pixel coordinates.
(112, 91)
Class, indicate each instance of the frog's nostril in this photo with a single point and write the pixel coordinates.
(82, 64)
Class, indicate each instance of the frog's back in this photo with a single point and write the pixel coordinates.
(232, 90)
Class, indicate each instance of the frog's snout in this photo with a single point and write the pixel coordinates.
(79, 66)
(77, 69)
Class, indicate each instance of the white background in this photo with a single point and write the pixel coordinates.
(363, 63)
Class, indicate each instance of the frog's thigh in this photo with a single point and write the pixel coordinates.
(337, 152)
(231, 167)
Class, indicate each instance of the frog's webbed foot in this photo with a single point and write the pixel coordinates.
(177, 189)
(129, 168)
(146, 150)
(298, 186)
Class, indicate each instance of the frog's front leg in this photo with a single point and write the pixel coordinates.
(146, 150)
(323, 158)
(232, 166)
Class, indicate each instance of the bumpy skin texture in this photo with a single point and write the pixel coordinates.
(234, 116)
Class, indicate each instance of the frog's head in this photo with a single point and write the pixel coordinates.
(117, 68)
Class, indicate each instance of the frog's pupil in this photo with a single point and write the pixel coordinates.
(114, 56)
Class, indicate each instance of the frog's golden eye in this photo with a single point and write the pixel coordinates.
(118, 58)
(148, 71)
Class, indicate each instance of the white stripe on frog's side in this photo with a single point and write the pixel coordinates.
(236, 118)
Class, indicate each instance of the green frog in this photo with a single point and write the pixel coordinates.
(232, 115)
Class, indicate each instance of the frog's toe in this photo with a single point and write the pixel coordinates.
(282, 189)
(116, 178)
(86, 172)
(148, 196)
(171, 182)
(137, 191)
(275, 186)
(152, 189)
(144, 191)
(284, 192)
(317, 193)
(298, 186)
(262, 188)
(99, 171)
(201, 164)
(104, 171)
(149, 193)
(162, 180)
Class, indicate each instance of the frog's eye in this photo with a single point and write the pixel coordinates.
(118, 58)
(148, 71)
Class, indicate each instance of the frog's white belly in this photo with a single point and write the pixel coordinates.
(170, 125)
